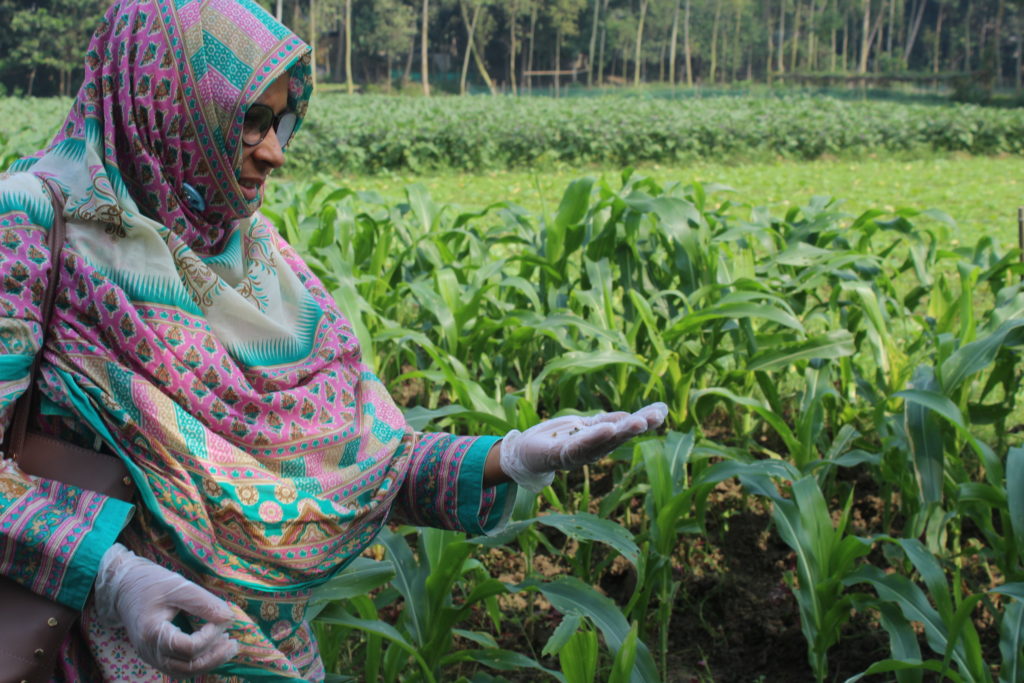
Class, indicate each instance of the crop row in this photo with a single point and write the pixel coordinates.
(370, 134)
(798, 353)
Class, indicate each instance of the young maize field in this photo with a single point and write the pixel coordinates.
(844, 407)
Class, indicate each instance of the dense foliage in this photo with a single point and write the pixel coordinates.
(816, 357)
(370, 134)
(498, 44)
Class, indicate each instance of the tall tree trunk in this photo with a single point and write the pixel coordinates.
(31, 80)
(513, 15)
(480, 65)
(529, 55)
(997, 36)
(279, 10)
(937, 52)
(846, 40)
(409, 58)
(470, 25)
(892, 27)
(811, 58)
(350, 85)
(876, 37)
(915, 26)
(593, 43)
(672, 41)
(735, 53)
(780, 67)
(795, 46)
(770, 32)
(714, 42)
(558, 62)
(638, 52)
(834, 44)
(967, 37)
(865, 38)
(600, 49)
(312, 37)
(686, 45)
(425, 47)
(1020, 57)
(338, 52)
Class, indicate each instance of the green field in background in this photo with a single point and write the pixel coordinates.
(980, 193)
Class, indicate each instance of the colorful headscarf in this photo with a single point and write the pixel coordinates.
(196, 343)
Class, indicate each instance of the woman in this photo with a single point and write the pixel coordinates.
(192, 342)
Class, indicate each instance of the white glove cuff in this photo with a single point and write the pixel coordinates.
(512, 464)
(111, 565)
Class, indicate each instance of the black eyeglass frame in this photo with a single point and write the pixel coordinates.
(273, 122)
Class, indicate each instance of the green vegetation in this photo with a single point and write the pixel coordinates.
(358, 135)
(963, 48)
(980, 193)
(828, 361)
(371, 134)
(850, 369)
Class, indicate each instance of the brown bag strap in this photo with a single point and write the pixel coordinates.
(23, 408)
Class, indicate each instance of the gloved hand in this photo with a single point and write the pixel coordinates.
(144, 597)
(530, 458)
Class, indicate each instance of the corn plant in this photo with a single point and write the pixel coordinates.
(426, 582)
(945, 614)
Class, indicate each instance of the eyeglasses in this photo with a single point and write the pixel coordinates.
(259, 119)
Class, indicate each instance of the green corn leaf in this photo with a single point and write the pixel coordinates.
(902, 640)
(1011, 643)
(923, 431)
(912, 602)
(578, 657)
(835, 344)
(480, 638)
(898, 665)
(1015, 493)
(583, 525)
(422, 206)
(359, 578)
(580, 363)
(737, 311)
(622, 665)
(1014, 590)
(961, 629)
(335, 614)
(570, 596)
(419, 417)
(561, 635)
(766, 413)
(409, 581)
(971, 358)
(501, 660)
(931, 572)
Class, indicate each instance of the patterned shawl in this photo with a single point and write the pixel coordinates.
(197, 344)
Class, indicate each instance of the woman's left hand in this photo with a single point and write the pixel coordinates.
(530, 458)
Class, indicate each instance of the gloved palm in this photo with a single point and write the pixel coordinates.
(530, 458)
(144, 597)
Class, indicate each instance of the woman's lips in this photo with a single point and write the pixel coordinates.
(250, 188)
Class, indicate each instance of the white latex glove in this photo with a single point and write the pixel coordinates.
(143, 597)
(531, 458)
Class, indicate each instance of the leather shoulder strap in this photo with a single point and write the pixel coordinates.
(19, 423)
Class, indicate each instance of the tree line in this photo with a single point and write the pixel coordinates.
(529, 45)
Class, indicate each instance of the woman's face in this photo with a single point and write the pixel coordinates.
(259, 160)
